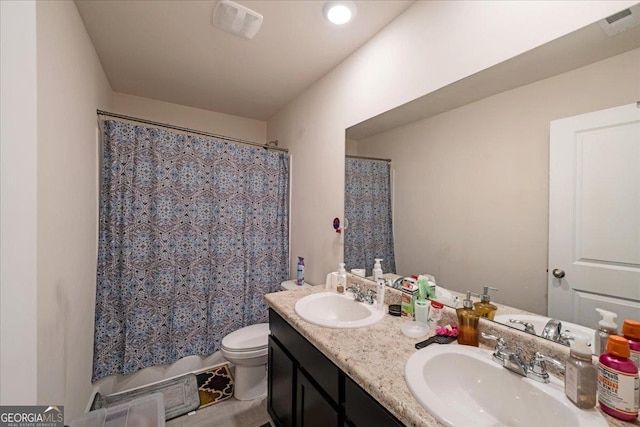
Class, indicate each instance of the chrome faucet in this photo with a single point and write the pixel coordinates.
(528, 327)
(513, 361)
(553, 331)
(368, 296)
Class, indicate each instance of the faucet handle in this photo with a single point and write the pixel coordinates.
(370, 296)
(499, 352)
(528, 327)
(499, 340)
(537, 370)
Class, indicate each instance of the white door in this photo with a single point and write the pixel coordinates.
(594, 216)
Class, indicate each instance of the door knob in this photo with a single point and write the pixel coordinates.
(558, 273)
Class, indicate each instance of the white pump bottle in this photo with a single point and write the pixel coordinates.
(606, 327)
(377, 269)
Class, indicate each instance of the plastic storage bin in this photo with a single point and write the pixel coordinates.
(145, 411)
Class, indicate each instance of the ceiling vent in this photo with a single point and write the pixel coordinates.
(236, 19)
(621, 21)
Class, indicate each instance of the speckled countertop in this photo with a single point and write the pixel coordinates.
(375, 356)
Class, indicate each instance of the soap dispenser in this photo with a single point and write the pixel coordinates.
(377, 270)
(468, 321)
(484, 306)
(341, 283)
(606, 327)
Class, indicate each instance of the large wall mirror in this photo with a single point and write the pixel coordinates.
(470, 164)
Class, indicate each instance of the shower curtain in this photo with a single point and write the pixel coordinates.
(367, 207)
(193, 232)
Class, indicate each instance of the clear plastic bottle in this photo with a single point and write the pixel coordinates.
(341, 284)
(618, 380)
(606, 328)
(581, 376)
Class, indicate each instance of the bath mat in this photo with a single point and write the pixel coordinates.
(214, 385)
(180, 396)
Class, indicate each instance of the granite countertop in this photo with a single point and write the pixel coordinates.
(375, 356)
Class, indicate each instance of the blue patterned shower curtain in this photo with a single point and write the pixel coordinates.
(193, 232)
(367, 207)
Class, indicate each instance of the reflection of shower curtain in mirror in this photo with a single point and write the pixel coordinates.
(367, 207)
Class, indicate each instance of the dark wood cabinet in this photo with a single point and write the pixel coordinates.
(312, 408)
(363, 410)
(281, 379)
(307, 390)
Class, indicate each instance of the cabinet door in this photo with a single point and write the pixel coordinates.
(281, 385)
(362, 410)
(313, 409)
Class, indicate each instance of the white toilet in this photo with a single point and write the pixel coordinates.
(247, 349)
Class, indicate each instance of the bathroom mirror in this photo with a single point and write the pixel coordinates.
(470, 162)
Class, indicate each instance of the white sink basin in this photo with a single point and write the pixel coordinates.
(539, 322)
(462, 386)
(333, 310)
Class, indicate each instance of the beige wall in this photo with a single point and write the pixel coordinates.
(71, 86)
(193, 118)
(18, 196)
(429, 46)
(471, 200)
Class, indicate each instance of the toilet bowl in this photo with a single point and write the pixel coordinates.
(247, 349)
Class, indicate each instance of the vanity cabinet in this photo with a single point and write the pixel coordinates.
(312, 408)
(281, 379)
(307, 390)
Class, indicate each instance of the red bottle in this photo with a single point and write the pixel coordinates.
(631, 331)
(618, 380)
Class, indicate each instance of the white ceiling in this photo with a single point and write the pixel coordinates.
(578, 49)
(170, 51)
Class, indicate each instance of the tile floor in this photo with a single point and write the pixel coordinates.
(228, 413)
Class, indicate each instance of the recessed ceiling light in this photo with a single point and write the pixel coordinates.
(339, 12)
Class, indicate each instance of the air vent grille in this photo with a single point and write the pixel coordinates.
(621, 21)
(236, 19)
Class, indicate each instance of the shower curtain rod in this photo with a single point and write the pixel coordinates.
(367, 158)
(267, 146)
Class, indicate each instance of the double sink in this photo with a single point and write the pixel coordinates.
(459, 385)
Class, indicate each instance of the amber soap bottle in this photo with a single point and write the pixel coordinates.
(468, 322)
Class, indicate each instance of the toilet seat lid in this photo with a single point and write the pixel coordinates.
(249, 338)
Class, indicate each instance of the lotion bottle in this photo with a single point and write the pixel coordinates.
(341, 284)
(484, 306)
(581, 376)
(618, 380)
(377, 270)
(468, 320)
(606, 327)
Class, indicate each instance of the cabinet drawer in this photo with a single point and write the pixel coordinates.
(316, 364)
(362, 410)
